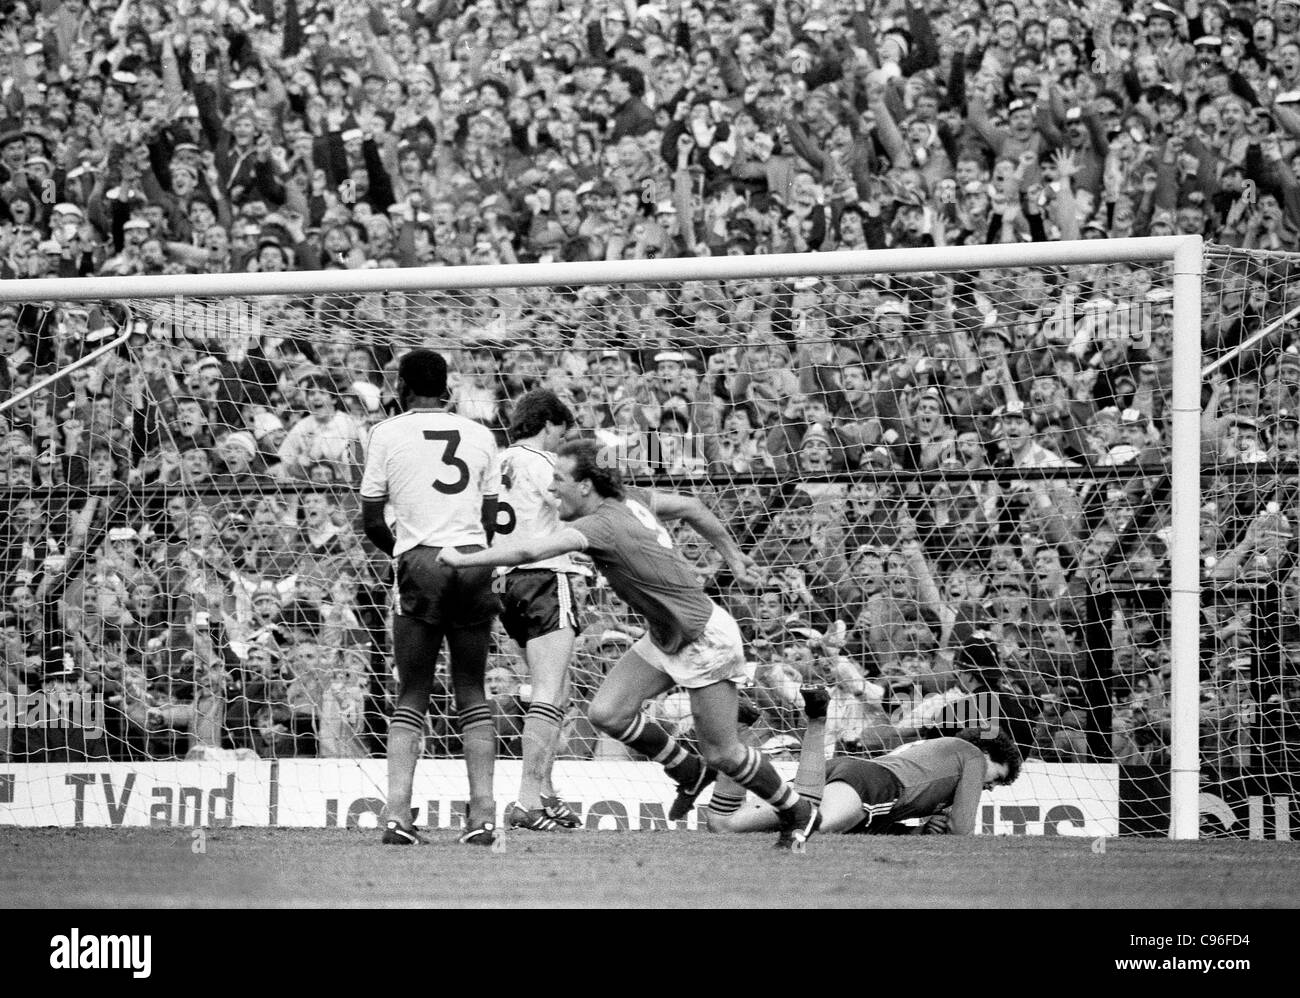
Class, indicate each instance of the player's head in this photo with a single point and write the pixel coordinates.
(541, 411)
(1003, 756)
(583, 478)
(422, 373)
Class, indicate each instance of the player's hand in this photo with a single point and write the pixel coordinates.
(450, 556)
(937, 824)
(745, 571)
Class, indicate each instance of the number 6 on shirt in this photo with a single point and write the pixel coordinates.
(648, 519)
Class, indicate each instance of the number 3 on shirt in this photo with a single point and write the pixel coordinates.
(648, 520)
(450, 441)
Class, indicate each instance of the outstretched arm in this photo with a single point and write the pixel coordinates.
(517, 552)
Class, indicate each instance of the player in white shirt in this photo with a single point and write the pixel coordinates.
(539, 610)
(437, 472)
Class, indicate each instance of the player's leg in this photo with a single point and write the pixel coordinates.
(616, 711)
(468, 647)
(726, 811)
(416, 644)
(840, 810)
(563, 701)
(548, 662)
(541, 614)
(714, 709)
(756, 816)
(710, 668)
(557, 808)
(475, 606)
(810, 777)
(858, 793)
(728, 797)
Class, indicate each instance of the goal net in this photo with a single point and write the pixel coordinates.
(953, 467)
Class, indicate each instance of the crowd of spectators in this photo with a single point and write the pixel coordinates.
(224, 600)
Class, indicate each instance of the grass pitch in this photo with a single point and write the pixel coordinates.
(251, 867)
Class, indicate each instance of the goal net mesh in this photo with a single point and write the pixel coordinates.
(917, 463)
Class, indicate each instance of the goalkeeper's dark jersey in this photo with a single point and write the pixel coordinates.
(936, 774)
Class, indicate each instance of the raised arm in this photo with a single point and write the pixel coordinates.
(689, 509)
(978, 118)
(926, 50)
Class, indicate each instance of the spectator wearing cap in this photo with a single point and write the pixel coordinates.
(1284, 436)
(63, 683)
(122, 554)
(240, 462)
(242, 151)
(1017, 448)
(800, 417)
(929, 436)
(670, 376)
(990, 378)
(1136, 434)
(1229, 422)
(1027, 128)
(1087, 142)
(1163, 28)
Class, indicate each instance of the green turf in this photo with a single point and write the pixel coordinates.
(261, 867)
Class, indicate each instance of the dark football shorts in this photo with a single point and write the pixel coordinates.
(875, 785)
(443, 596)
(536, 602)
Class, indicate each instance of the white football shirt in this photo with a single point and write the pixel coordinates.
(526, 510)
(433, 468)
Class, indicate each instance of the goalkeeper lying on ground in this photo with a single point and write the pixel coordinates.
(939, 780)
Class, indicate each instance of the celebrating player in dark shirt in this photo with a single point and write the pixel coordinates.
(691, 642)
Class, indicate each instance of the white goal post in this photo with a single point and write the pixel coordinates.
(1183, 253)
